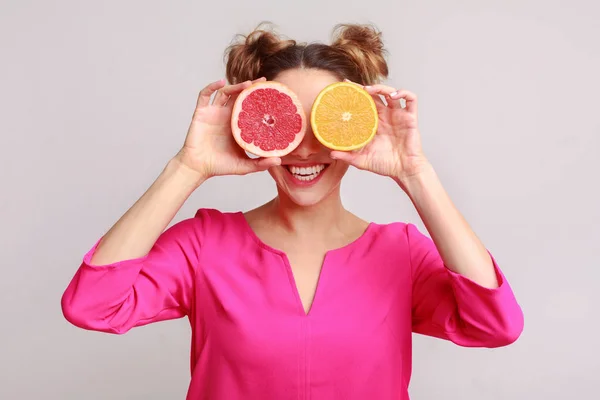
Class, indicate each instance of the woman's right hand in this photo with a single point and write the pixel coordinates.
(209, 147)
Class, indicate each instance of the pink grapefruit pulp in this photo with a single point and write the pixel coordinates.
(268, 120)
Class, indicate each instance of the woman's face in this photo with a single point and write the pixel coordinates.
(308, 175)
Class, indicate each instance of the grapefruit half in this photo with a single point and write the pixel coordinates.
(268, 120)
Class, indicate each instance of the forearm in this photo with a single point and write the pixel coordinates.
(459, 247)
(137, 230)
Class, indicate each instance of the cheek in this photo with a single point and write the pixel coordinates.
(338, 170)
(276, 172)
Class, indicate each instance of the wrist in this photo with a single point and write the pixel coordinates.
(185, 174)
(424, 189)
(422, 176)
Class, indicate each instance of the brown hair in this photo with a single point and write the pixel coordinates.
(356, 53)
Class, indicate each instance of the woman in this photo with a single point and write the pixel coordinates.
(298, 298)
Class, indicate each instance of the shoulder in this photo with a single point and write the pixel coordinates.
(206, 222)
(384, 239)
(214, 220)
(393, 230)
(402, 235)
(410, 241)
(213, 216)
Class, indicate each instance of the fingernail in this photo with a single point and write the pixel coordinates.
(393, 94)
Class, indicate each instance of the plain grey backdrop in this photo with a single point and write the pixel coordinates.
(95, 97)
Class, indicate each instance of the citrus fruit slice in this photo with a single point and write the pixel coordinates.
(344, 117)
(268, 120)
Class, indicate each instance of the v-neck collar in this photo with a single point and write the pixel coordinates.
(250, 231)
(288, 266)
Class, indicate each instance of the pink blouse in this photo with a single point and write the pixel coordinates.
(251, 338)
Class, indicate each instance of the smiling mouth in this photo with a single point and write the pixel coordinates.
(306, 174)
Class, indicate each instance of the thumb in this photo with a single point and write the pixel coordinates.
(349, 157)
(259, 164)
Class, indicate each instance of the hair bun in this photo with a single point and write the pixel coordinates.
(364, 45)
(246, 56)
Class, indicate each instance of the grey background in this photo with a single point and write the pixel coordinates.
(97, 96)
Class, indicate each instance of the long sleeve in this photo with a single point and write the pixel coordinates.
(116, 297)
(450, 306)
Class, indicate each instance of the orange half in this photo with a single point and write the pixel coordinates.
(344, 117)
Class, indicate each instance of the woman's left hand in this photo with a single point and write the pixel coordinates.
(395, 151)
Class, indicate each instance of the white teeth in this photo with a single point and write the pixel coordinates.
(306, 173)
(307, 170)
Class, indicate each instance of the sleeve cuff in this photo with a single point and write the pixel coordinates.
(491, 316)
(87, 259)
(467, 285)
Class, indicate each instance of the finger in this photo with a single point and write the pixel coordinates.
(387, 92)
(393, 97)
(237, 88)
(223, 95)
(409, 98)
(231, 93)
(220, 99)
(259, 164)
(379, 102)
(207, 92)
(266, 163)
(353, 158)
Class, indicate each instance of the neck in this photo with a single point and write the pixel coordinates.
(328, 214)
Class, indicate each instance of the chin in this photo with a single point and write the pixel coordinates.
(307, 184)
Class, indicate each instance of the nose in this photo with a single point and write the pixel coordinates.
(308, 146)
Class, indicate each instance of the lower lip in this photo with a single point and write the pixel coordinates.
(298, 182)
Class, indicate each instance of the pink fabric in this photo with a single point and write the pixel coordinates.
(251, 336)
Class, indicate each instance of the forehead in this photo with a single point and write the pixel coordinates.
(306, 83)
